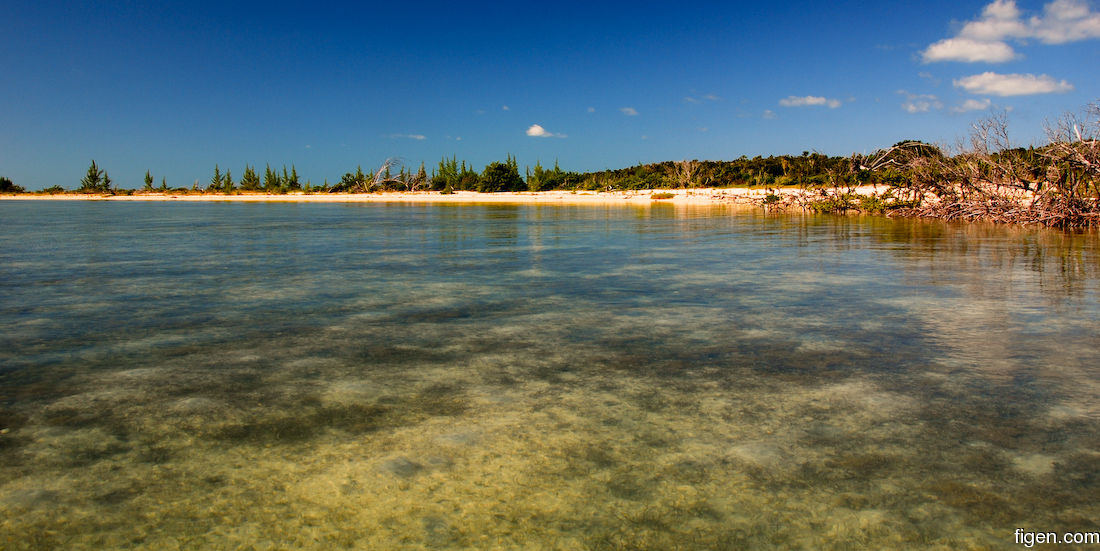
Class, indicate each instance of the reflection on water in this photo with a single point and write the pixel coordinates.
(395, 376)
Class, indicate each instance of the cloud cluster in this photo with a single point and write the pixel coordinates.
(994, 84)
(985, 40)
(417, 137)
(629, 111)
(809, 101)
(972, 105)
(700, 99)
(537, 131)
(920, 103)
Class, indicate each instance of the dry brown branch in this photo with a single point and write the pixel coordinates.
(683, 173)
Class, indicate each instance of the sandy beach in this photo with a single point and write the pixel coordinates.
(697, 196)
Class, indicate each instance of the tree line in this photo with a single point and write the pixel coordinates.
(985, 175)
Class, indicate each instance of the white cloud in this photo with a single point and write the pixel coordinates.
(505, 108)
(994, 84)
(985, 39)
(920, 103)
(972, 105)
(809, 101)
(769, 114)
(1066, 21)
(537, 131)
(629, 111)
(409, 136)
(591, 109)
(1000, 20)
(699, 99)
(968, 50)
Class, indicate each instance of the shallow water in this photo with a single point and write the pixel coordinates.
(268, 376)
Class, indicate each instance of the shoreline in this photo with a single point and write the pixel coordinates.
(693, 196)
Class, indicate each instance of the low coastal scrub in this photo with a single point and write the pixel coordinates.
(1056, 184)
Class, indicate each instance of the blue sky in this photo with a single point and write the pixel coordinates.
(176, 88)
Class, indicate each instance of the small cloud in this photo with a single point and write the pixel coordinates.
(769, 114)
(458, 139)
(703, 129)
(968, 50)
(505, 108)
(994, 84)
(809, 101)
(701, 99)
(929, 77)
(629, 111)
(408, 136)
(591, 109)
(920, 103)
(972, 105)
(537, 131)
(309, 146)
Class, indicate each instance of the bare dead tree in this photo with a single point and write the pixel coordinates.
(684, 172)
(1074, 154)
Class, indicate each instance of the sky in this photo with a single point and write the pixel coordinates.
(176, 88)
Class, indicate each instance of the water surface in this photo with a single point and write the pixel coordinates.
(320, 376)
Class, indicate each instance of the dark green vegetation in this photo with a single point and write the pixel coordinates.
(7, 186)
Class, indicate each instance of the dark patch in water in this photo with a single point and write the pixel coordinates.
(74, 418)
(437, 532)
(90, 454)
(980, 503)
(689, 471)
(156, 454)
(32, 498)
(629, 486)
(599, 456)
(283, 428)
(116, 497)
(862, 466)
(403, 467)
(441, 399)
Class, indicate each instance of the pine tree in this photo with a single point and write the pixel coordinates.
(105, 185)
(227, 182)
(148, 181)
(250, 181)
(292, 181)
(216, 181)
(164, 184)
(271, 179)
(92, 180)
(421, 175)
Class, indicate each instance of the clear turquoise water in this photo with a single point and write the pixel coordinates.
(271, 376)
